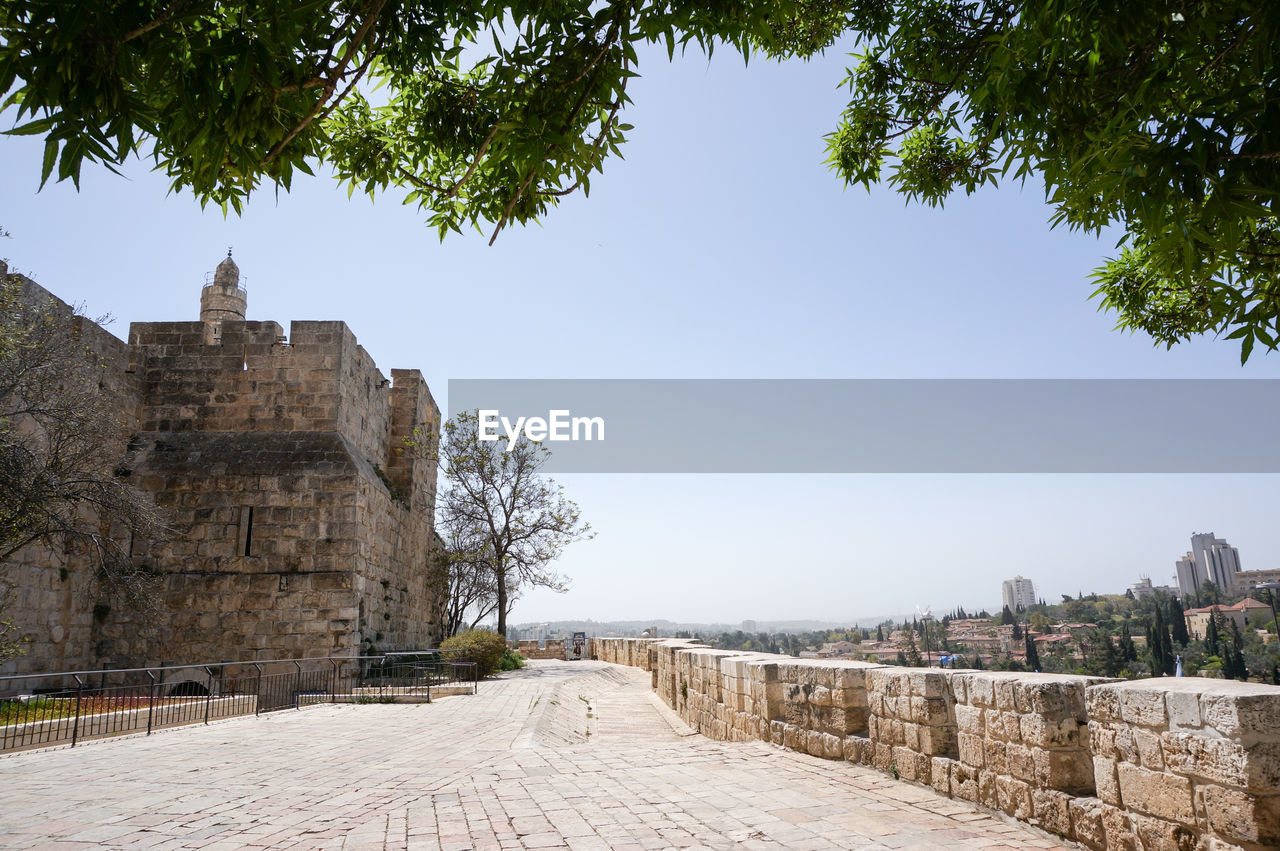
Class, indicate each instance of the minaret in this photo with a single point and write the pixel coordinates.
(222, 298)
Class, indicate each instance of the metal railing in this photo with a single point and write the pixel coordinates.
(68, 707)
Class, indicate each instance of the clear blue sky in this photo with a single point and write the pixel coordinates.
(721, 247)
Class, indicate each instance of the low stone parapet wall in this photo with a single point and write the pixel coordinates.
(530, 650)
(1164, 763)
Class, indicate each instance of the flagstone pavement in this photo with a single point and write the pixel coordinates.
(577, 755)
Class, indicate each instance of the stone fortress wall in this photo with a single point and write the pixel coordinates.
(52, 598)
(1165, 763)
(302, 514)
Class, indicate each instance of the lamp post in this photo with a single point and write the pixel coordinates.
(1271, 598)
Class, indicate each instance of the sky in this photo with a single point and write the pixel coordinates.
(720, 247)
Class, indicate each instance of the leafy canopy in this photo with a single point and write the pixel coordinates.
(485, 112)
(1160, 118)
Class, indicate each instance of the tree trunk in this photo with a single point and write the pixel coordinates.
(502, 603)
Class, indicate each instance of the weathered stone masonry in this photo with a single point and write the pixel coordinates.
(1166, 763)
(303, 520)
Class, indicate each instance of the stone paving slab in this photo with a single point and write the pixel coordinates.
(560, 755)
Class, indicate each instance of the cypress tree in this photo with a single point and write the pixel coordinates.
(1033, 655)
(913, 652)
(1178, 622)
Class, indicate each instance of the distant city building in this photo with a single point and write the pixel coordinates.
(1248, 580)
(1217, 559)
(1188, 578)
(1198, 619)
(748, 626)
(1143, 588)
(1019, 591)
(1211, 559)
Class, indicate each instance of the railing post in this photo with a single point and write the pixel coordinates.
(333, 682)
(208, 698)
(75, 727)
(297, 684)
(257, 691)
(151, 700)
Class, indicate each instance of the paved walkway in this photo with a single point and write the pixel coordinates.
(561, 755)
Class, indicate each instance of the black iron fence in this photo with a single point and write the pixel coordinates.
(65, 708)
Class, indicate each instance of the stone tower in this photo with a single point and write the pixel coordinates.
(222, 299)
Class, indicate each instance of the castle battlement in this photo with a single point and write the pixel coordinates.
(288, 467)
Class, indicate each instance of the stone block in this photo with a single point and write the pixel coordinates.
(1102, 703)
(987, 794)
(1069, 771)
(1051, 810)
(1006, 696)
(927, 682)
(1118, 829)
(1144, 707)
(972, 750)
(832, 746)
(1165, 796)
(794, 738)
(911, 736)
(1004, 725)
(1086, 822)
(1150, 753)
(882, 756)
(1241, 816)
(1155, 834)
(1222, 761)
(993, 756)
(964, 782)
(904, 761)
(969, 719)
(979, 689)
(1039, 731)
(1105, 780)
(1243, 711)
(1019, 762)
(938, 741)
(1184, 710)
(1013, 797)
(852, 746)
(940, 774)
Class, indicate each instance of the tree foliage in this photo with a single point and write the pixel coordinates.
(481, 646)
(483, 111)
(502, 514)
(1160, 118)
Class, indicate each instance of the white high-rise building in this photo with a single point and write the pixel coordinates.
(1018, 591)
(1216, 560)
(1188, 578)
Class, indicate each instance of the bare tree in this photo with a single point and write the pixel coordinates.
(467, 580)
(63, 474)
(503, 514)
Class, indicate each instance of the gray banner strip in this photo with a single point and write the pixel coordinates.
(888, 425)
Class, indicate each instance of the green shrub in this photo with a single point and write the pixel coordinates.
(510, 661)
(481, 646)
